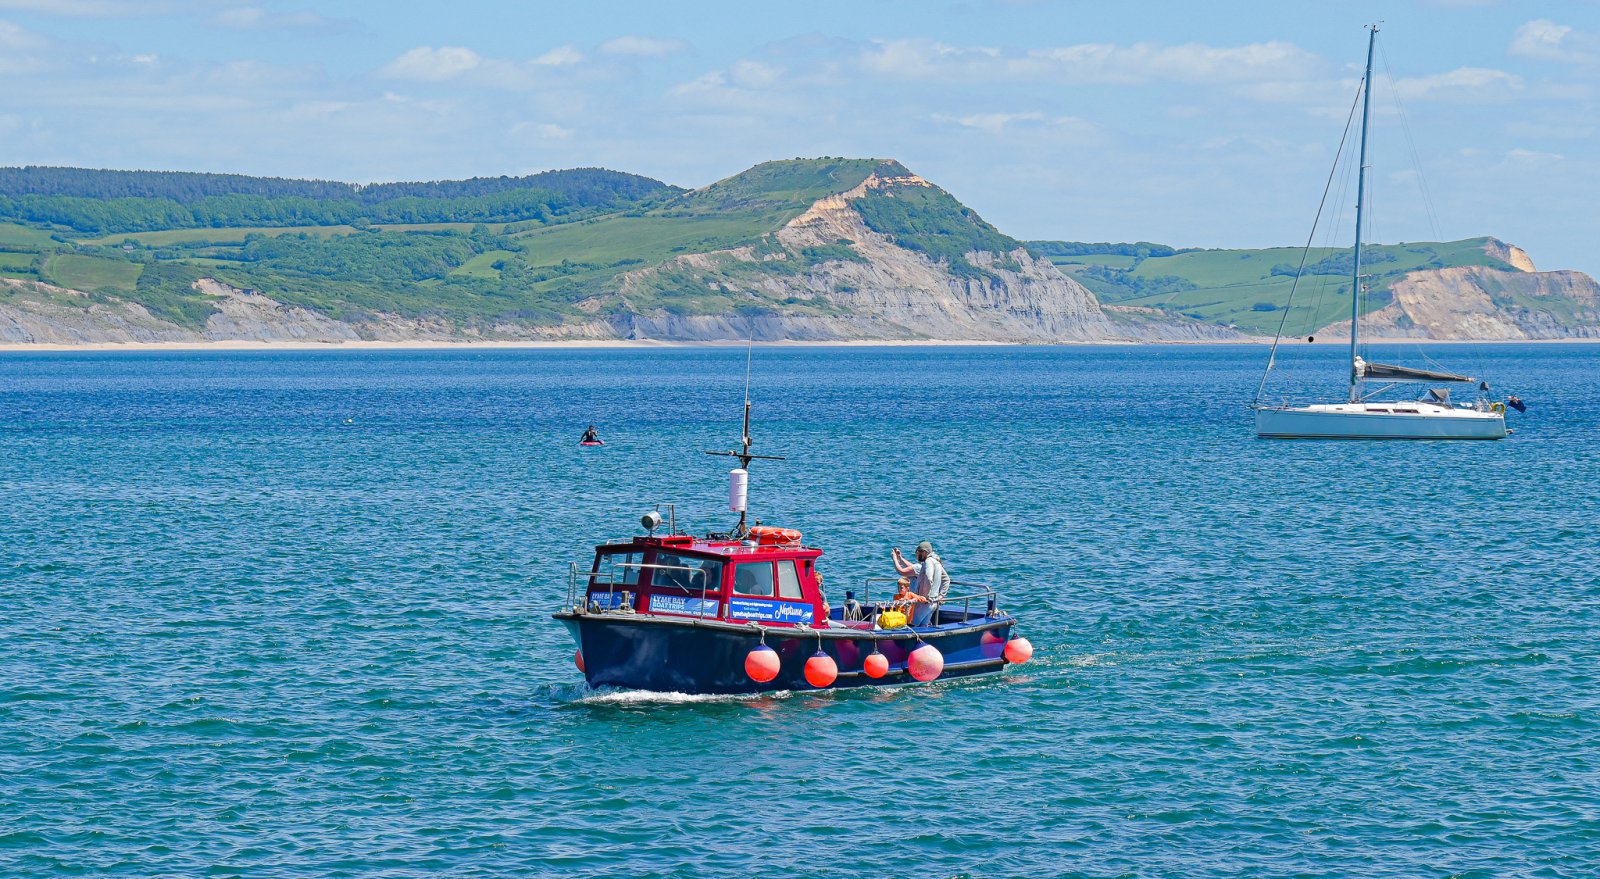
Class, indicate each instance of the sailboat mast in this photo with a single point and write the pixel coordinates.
(1361, 203)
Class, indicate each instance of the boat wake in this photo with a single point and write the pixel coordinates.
(650, 697)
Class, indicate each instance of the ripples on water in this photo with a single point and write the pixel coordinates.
(288, 615)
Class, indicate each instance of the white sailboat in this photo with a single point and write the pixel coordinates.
(1362, 417)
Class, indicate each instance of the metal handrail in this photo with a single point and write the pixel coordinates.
(987, 593)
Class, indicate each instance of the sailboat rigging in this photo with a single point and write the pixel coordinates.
(1362, 417)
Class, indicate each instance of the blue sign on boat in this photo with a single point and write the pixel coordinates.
(683, 605)
(769, 611)
(606, 600)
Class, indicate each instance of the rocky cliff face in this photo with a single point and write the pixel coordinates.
(882, 290)
(34, 313)
(1484, 304)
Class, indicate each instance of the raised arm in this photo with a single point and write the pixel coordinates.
(905, 568)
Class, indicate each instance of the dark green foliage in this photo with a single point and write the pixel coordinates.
(373, 257)
(1343, 263)
(110, 202)
(1130, 285)
(587, 186)
(1139, 249)
(928, 220)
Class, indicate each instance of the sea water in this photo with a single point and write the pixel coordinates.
(288, 615)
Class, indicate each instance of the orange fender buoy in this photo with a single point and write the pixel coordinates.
(761, 664)
(1018, 651)
(876, 665)
(925, 663)
(821, 670)
(577, 659)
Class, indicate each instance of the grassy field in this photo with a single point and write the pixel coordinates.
(236, 236)
(16, 264)
(483, 265)
(92, 273)
(1114, 260)
(1249, 288)
(12, 235)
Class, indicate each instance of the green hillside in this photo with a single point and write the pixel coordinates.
(1249, 288)
(320, 244)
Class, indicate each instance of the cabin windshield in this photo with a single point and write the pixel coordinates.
(690, 574)
(616, 569)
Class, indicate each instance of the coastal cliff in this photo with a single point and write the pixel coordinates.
(829, 249)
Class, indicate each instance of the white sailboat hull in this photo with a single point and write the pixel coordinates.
(1379, 421)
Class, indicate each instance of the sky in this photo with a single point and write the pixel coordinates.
(1193, 124)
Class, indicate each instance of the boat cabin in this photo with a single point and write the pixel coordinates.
(770, 579)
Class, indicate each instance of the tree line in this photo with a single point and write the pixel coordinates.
(111, 202)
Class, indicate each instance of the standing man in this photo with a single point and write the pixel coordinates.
(932, 582)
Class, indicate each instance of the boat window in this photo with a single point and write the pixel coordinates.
(788, 582)
(704, 575)
(754, 578)
(609, 569)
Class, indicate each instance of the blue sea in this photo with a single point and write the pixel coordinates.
(287, 614)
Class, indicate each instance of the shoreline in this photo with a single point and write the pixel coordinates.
(439, 345)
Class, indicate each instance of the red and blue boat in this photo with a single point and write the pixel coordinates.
(745, 612)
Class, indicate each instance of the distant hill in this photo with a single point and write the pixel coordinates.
(830, 248)
(827, 248)
(1248, 289)
(83, 201)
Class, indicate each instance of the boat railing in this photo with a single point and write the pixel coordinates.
(987, 593)
(592, 578)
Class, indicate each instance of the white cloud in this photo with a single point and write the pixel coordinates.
(254, 18)
(643, 47)
(1533, 157)
(1470, 84)
(22, 50)
(15, 38)
(427, 64)
(992, 122)
(1090, 62)
(1545, 40)
(84, 8)
(538, 133)
(754, 74)
(561, 56)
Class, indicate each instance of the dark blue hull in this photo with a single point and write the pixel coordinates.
(663, 654)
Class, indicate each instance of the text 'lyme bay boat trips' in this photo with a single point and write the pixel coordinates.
(1361, 416)
(744, 612)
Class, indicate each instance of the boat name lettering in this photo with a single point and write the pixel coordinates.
(683, 605)
(606, 600)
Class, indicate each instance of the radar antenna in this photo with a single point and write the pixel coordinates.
(743, 454)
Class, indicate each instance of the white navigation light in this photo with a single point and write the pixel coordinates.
(738, 489)
(651, 521)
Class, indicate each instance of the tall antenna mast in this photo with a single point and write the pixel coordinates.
(743, 454)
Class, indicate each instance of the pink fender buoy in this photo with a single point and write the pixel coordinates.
(577, 659)
(821, 670)
(925, 662)
(1018, 651)
(876, 665)
(761, 664)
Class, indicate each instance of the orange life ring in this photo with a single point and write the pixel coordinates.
(767, 535)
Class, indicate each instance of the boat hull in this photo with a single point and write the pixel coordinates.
(645, 652)
(1375, 421)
